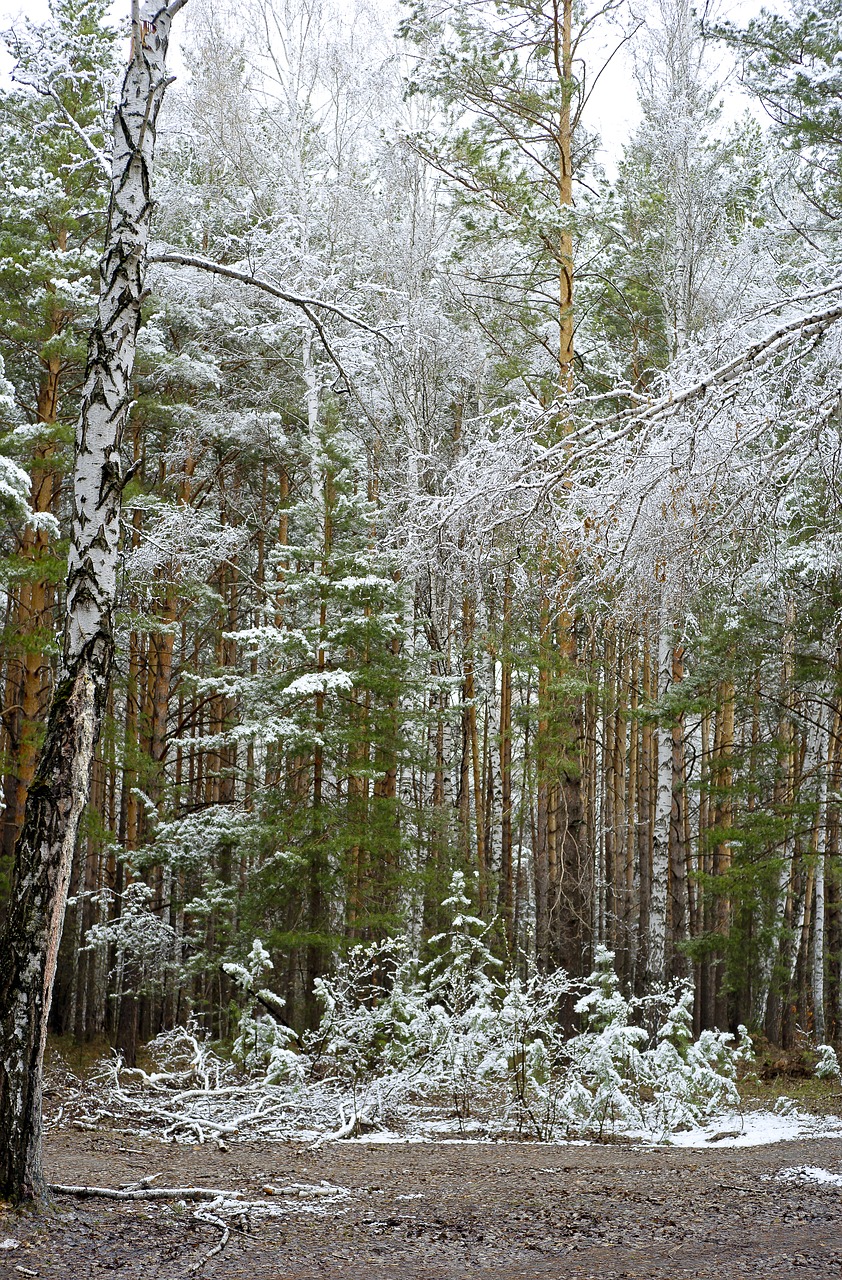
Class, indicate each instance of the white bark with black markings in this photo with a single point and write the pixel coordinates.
(59, 792)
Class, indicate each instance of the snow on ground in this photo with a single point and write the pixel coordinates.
(757, 1128)
(810, 1173)
(732, 1129)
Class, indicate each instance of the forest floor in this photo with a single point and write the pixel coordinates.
(438, 1211)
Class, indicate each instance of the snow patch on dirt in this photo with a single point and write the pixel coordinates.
(810, 1173)
(758, 1128)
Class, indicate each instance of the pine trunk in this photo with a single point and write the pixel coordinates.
(663, 819)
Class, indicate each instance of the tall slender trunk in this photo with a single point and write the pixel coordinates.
(766, 1004)
(663, 818)
(678, 843)
(540, 845)
(724, 779)
(631, 917)
(609, 793)
(563, 52)
(822, 760)
(644, 822)
(473, 737)
(618, 771)
(60, 787)
(505, 897)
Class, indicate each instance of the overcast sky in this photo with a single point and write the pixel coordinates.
(612, 110)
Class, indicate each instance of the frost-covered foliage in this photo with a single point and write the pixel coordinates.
(263, 1039)
(461, 1005)
(145, 945)
(180, 544)
(401, 1047)
(14, 482)
(482, 1039)
(827, 1067)
(368, 1025)
(459, 1038)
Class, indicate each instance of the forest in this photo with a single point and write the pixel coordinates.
(480, 555)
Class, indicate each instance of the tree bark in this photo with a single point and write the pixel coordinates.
(724, 817)
(678, 842)
(505, 897)
(60, 787)
(663, 816)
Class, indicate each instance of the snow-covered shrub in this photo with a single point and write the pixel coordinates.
(827, 1067)
(601, 1086)
(368, 1043)
(459, 1025)
(534, 1047)
(370, 1011)
(474, 1042)
(615, 1072)
(688, 1081)
(145, 945)
(744, 1050)
(263, 1042)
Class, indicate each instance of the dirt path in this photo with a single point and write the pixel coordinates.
(444, 1211)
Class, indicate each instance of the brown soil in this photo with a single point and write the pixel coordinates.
(443, 1211)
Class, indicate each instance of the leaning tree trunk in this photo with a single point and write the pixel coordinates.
(59, 791)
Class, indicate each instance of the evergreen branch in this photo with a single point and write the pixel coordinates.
(96, 154)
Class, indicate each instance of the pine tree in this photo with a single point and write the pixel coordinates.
(53, 196)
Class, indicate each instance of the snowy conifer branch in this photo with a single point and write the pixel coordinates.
(99, 156)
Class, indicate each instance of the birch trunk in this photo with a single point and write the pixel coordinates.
(59, 791)
(505, 900)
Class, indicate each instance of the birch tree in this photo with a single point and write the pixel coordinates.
(53, 197)
(59, 791)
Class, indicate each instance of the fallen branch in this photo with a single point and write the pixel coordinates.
(145, 1193)
(347, 1129)
(220, 1223)
(204, 1126)
(141, 1183)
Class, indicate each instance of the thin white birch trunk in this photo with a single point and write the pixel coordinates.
(59, 792)
(769, 953)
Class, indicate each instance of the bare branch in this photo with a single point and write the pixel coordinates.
(809, 326)
(203, 1216)
(268, 286)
